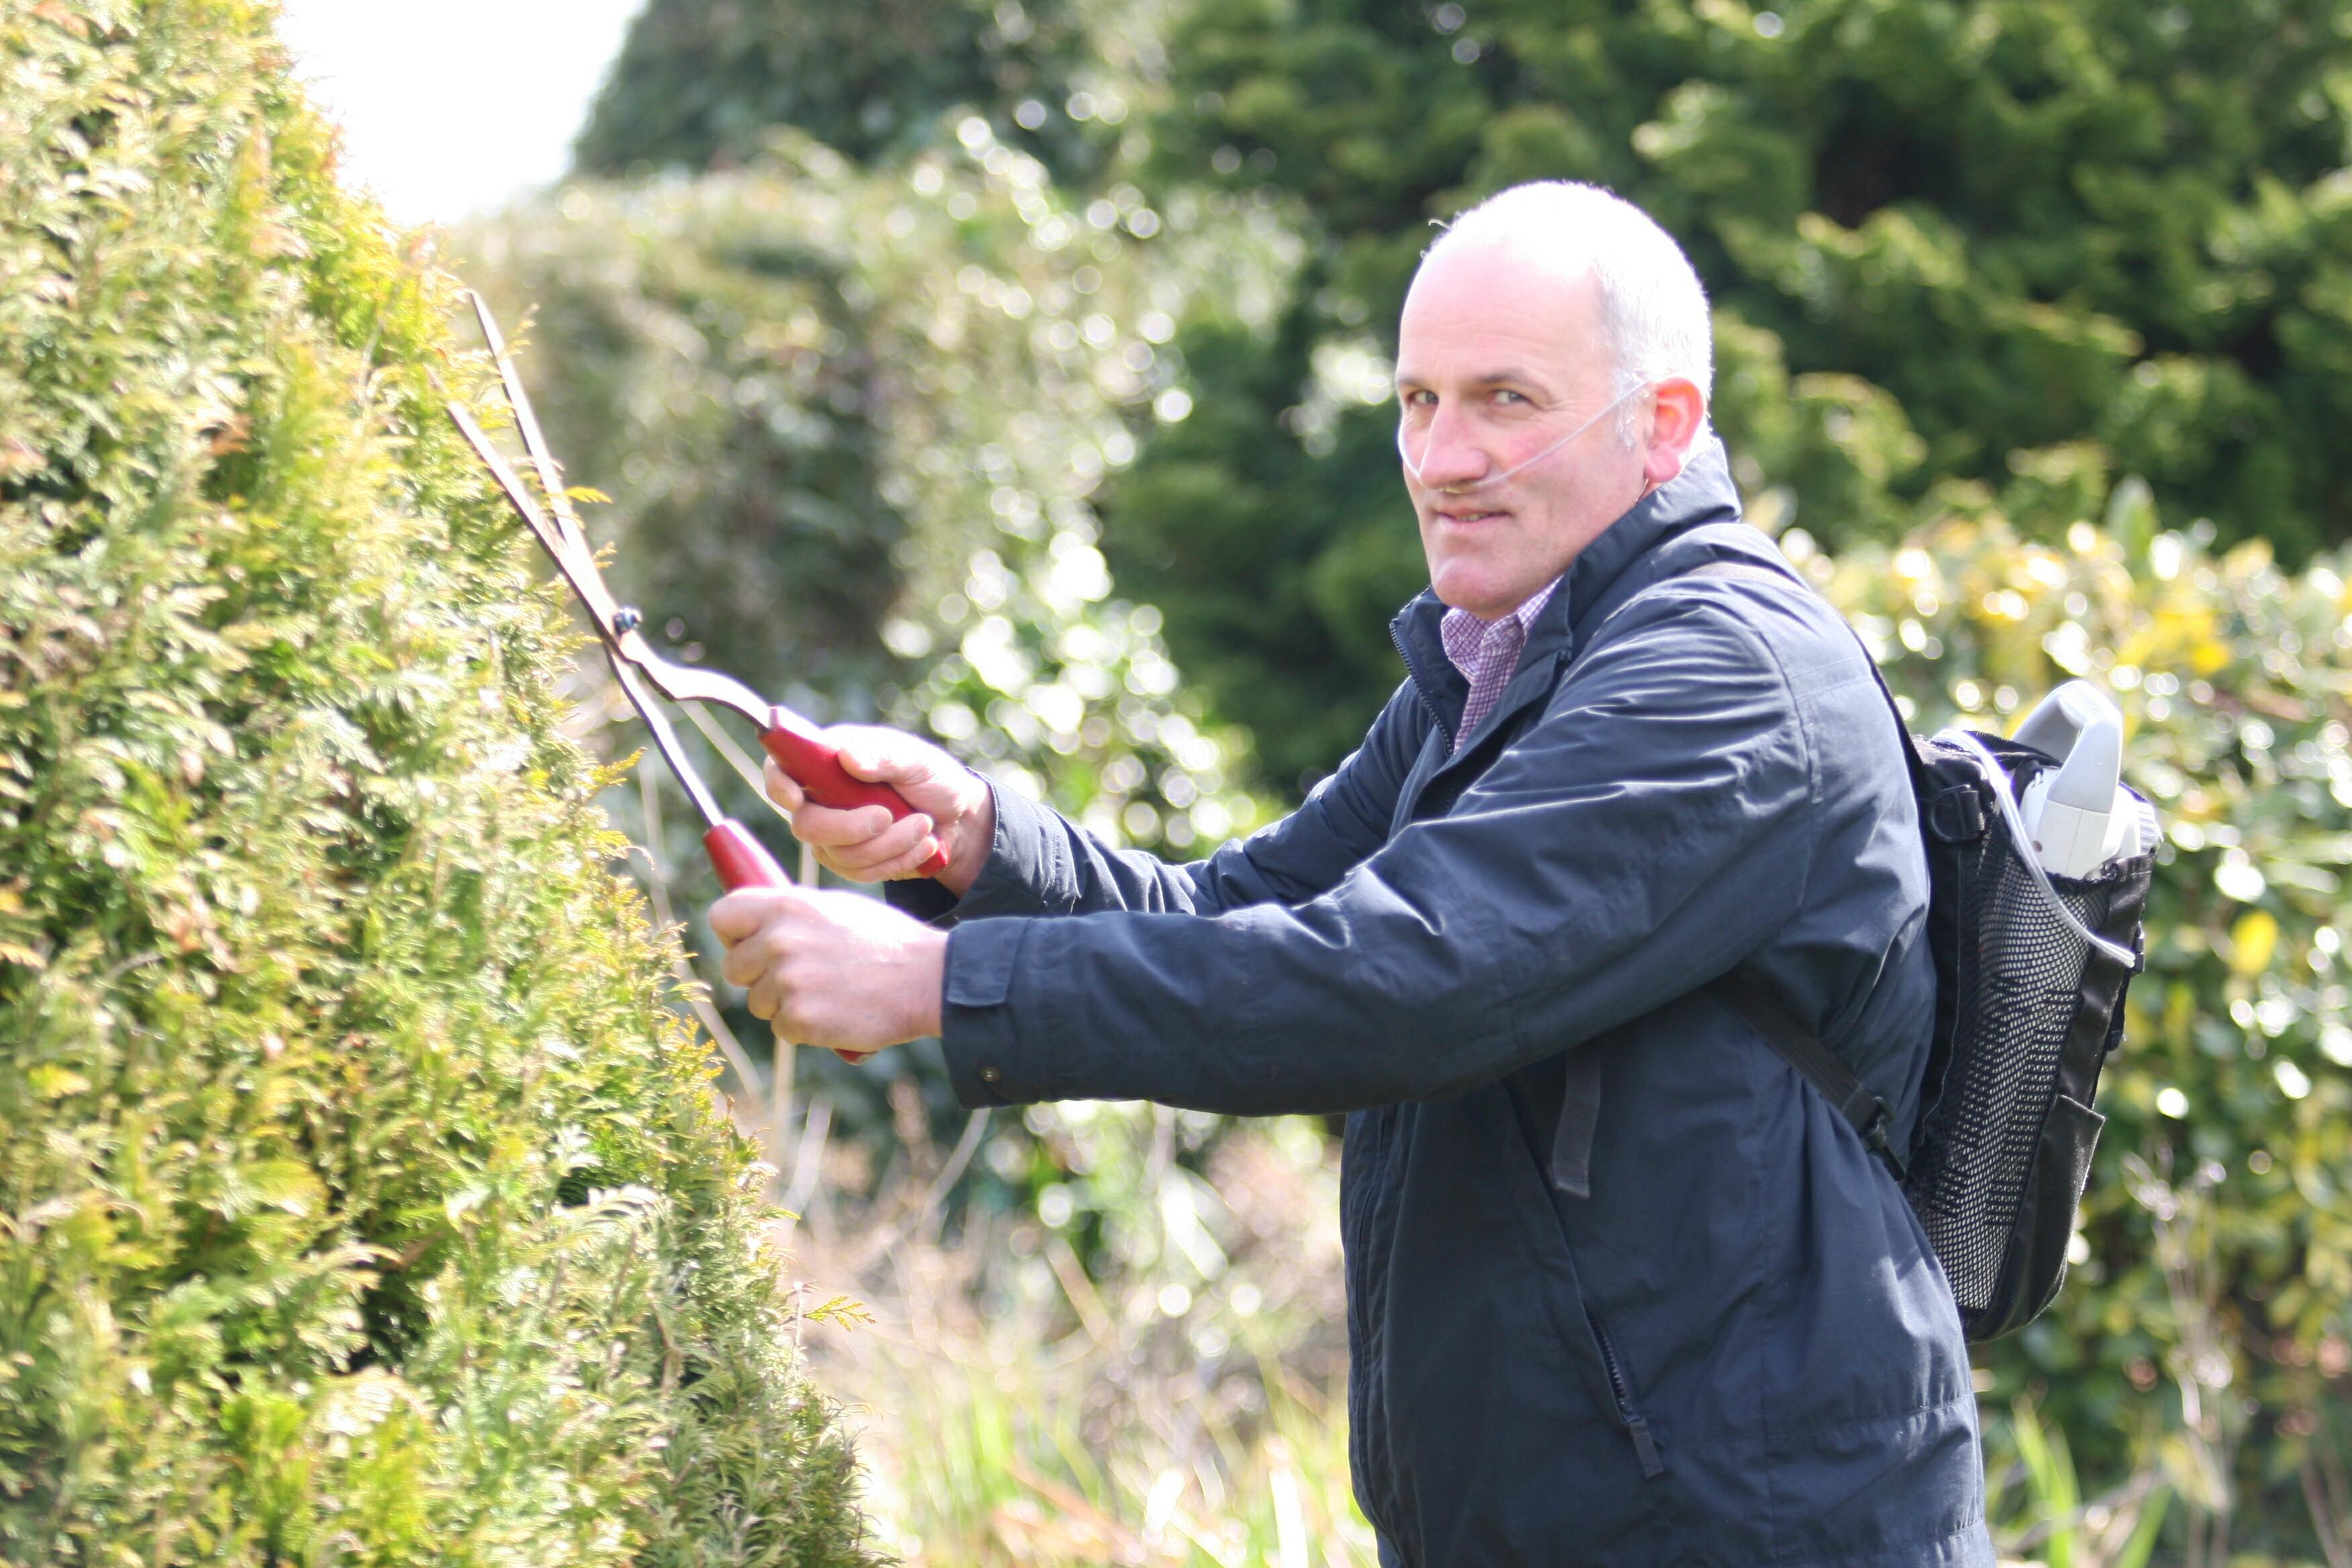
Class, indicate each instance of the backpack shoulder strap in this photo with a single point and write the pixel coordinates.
(1741, 992)
(1820, 1066)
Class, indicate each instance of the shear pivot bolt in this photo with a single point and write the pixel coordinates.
(626, 619)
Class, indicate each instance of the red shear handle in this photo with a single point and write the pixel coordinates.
(816, 768)
(741, 862)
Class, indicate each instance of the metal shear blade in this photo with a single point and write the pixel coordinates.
(566, 544)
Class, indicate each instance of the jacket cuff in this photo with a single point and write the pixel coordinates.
(1026, 872)
(921, 898)
(987, 1064)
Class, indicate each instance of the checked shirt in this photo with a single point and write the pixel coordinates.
(1487, 653)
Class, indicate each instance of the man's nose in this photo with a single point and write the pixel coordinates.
(1448, 455)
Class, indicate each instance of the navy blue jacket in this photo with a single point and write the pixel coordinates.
(1622, 1287)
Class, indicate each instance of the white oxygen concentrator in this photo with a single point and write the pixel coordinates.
(2077, 816)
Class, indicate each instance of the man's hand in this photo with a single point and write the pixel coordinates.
(830, 969)
(953, 811)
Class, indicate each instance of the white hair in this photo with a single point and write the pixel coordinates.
(1653, 307)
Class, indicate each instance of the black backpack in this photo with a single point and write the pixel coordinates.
(2028, 1008)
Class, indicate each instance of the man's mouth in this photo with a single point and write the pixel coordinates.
(1466, 516)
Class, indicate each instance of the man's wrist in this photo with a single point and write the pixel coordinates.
(926, 984)
(972, 841)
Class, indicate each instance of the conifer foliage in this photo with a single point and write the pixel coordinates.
(361, 1198)
(701, 86)
(1962, 253)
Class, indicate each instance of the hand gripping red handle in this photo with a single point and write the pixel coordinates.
(741, 862)
(816, 768)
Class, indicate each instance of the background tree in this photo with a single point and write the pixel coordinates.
(1986, 254)
(702, 84)
(722, 388)
(819, 393)
(362, 1195)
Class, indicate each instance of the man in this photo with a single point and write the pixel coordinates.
(1622, 1288)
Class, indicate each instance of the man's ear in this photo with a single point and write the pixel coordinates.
(1677, 414)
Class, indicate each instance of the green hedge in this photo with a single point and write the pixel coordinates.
(362, 1198)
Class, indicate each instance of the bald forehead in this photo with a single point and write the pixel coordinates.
(1532, 257)
(1502, 283)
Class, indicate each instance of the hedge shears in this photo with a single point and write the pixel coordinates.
(790, 738)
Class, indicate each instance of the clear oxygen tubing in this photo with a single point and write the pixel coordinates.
(1490, 480)
(1997, 777)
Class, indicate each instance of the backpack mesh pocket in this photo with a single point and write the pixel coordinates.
(2022, 981)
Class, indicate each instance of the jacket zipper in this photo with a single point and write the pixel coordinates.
(1385, 1505)
(1419, 691)
(1645, 1448)
(1637, 1425)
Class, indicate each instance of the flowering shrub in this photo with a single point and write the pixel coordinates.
(2203, 1334)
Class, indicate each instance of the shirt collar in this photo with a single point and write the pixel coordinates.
(1464, 636)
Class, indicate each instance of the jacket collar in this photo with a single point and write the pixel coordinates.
(1701, 494)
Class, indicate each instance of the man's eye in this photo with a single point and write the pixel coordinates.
(1507, 396)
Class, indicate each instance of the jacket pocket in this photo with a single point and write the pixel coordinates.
(1595, 1341)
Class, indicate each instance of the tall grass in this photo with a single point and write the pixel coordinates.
(1179, 1402)
(2040, 1516)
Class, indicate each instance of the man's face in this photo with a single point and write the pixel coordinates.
(1499, 354)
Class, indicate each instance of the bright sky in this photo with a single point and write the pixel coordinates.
(451, 107)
